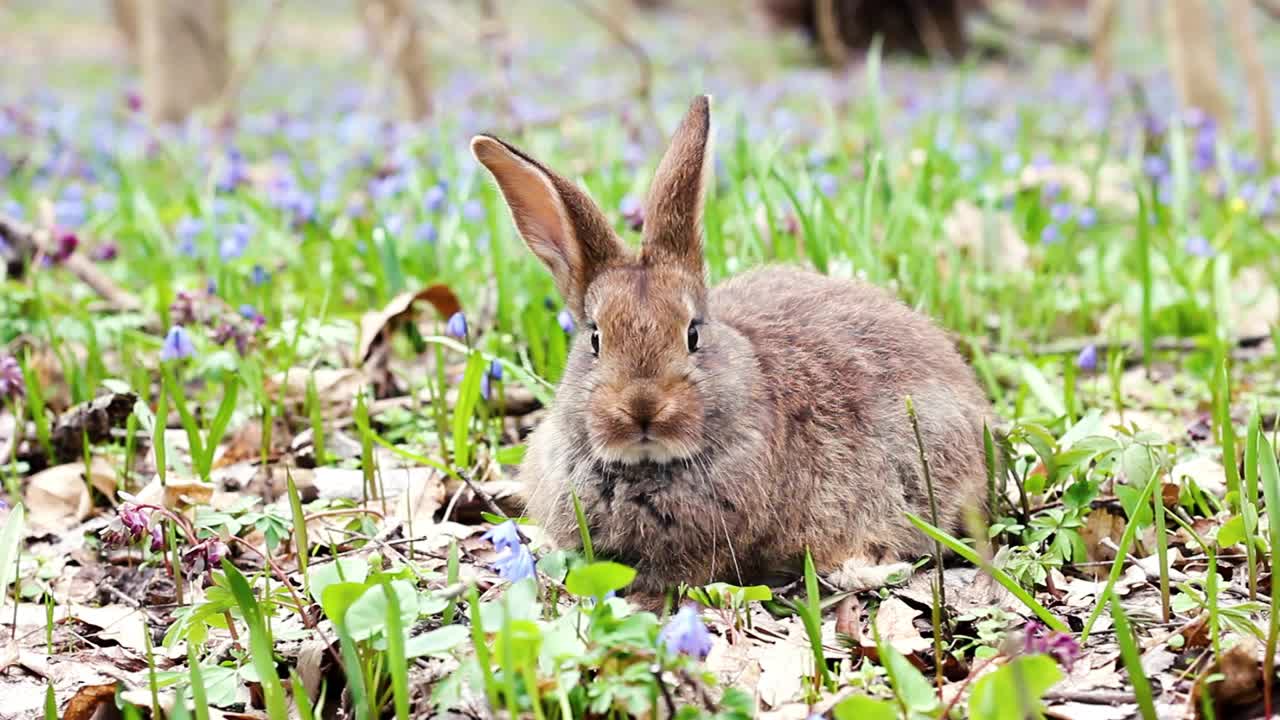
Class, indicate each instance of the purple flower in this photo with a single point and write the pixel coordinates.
(1086, 217)
(1206, 151)
(456, 326)
(492, 375)
(1155, 166)
(686, 634)
(106, 251)
(1061, 212)
(67, 244)
(187, 230)
(434, 199)
(177, 344)
(515, 564)
(259, 276)
(1060, 646)
(250, 313)
(11, 381)
(182, 311)
(1050, 235)
(565, 318)
(473, 210)
(427, 233)
(504, 536)
(157, 537)
(495, 370)
(1087, 359)
(234, 242)
(203, 556)
(827, 184)
(133, 518)
(1197, 245)
(633, 212)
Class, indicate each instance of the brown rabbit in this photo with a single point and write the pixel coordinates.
(714, 435)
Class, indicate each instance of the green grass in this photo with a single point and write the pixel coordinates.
(916, 200)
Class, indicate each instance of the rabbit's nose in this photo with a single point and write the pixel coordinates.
(642, 408)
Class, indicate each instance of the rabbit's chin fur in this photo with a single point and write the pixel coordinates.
(794, 436)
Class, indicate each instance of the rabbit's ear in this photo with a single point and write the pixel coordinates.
(673, 211)
(559, 223)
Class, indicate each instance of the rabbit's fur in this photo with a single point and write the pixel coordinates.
(785, 428)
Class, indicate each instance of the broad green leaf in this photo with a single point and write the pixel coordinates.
(338, 598)
(352, 570)
(1001, 694)
(367, 616)
(599, 578)
(865, 707)
(436, 642)
(911, 687)
(1231, 532)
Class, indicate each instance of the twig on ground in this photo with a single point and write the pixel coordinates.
(36, 243)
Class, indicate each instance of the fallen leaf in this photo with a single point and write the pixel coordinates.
(783, 666)
(1207, 472)
(894, 622)
(969, 229)
(1092, 711)
(57, 498)
(1241, 683)
(175, 494)
(381, 324)
(336, 387)
(93, 419)
(85, 703)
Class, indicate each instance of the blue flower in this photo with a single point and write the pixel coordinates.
(492, 375)
(1155, 166)
(259, 276)
(1087, 360)
(1086, 217)
(234, 242)
(435, 197)
(495, 370)
(187, 229)
(685, 633)
(1050, 235)
(504, 536)
(1011, 163)
(427, 233)
(1199, 246)
(632, 211)
(1061, 212)
(177, 344)
(473, 210)
(827, 184)
(565, 318)
(456, 326)
(515, 564)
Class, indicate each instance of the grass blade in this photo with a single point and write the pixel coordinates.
(1000, 576)
(260, 646)
(1133, 661)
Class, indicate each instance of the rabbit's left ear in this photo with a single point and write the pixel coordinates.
(673, 210)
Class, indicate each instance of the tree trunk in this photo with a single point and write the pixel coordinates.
(125, 15)
(1189, 34)
(185, 55)
(1102, 26)
(395, 32)
(1240, 13)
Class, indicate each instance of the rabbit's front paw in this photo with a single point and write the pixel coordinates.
(858, 574)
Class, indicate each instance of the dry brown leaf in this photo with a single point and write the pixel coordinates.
(1241, 684)
(57, 498)
(1091, 711)
(968, 229)
(733, 664)
(425, 494)
(783, 667)
(380, 324)
(85, 703)
(176, 494)
(336, 387)
(895, 624)
(1206, 471)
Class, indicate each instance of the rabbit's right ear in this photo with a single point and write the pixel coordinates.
(559, 223)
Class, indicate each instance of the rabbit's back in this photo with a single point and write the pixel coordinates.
(837, 360)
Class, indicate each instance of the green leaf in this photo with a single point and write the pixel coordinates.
(1001, 694)
(865, 707)
(1132, 658)
(1231, 532)
(468, 397)
(337, 598)
(367, 616)
(1046, 394)
(598, 579)
(260, 645)
(397, 662)
(909, 684)
(436, 642)
(511, 454)
(352, 570)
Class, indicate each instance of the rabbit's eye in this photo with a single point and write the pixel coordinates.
(692, 336)
(595, 343)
